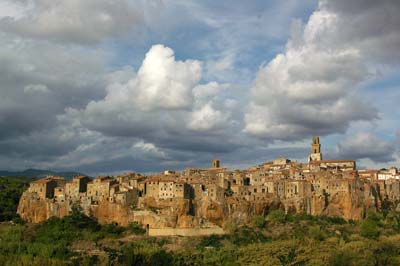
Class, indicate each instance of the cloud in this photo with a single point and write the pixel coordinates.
(148, 150)
(163, 104)
(313, 87)
(206, 118)
(33, 88)
(377, 28)
(163, 82)
(365, 146)
(40, 80)
(78, 90)
(75, 21)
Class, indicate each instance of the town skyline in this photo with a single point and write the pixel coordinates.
(202, 201)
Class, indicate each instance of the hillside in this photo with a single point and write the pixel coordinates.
(38, 173)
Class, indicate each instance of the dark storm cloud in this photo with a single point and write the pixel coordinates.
(365, 146)
(373, 25)
(40, 80)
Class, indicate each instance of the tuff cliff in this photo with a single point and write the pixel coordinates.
(187, 213)
(36, 210)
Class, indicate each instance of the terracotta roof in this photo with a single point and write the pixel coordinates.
(80, 177)
(46, 180)
(167, 180)
(332, 161)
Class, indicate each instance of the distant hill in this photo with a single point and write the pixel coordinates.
(31, 173)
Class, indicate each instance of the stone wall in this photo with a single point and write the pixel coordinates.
(185, 231)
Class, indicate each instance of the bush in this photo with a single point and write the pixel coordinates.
(211, 241)
(246, 235)
(277, 216)
(316, 233)
(393, 219)
(230, 226)
(341, 258)
(372, 215)
(136, 229)
(333, 220)
(369, 229)
(113, 229)
(258, 221)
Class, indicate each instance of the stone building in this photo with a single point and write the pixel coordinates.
(99, 188)
(297, 189)
(44, 187)
(150, 187)
(166, 189)
(75, 187)
(391, 173)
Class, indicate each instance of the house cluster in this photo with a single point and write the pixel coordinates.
(280, 179)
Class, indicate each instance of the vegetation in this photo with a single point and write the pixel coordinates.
(278, 239)
(274, 239)
(258, 221)
(11, 189)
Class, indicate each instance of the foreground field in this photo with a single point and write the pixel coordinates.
(277, 239)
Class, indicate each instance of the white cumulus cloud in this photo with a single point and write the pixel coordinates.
(313, 87)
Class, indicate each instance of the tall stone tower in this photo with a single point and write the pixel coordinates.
(316, 154)
(215, 163)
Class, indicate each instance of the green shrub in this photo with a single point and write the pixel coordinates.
(277, 216)
(393, 219)
(211, 241)
(372, 215)
(258, 221)
(341, 258)
(290, 258)
(246, 235)
(230, 226)
(332, 219)
(136, 229)
(369, 229)
(161, 258)
(317, 233)
(113, 229)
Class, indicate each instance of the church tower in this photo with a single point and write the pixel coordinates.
(215, 163)
(316, 154)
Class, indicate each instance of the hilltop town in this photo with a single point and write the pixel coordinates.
(203, 201)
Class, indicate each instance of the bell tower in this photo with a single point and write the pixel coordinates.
(316, 154)
(215, 163)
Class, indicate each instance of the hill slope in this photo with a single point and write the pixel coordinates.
(38, 173)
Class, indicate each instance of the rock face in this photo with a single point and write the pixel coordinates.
(187, 214)
(36, 210)
(174, 213)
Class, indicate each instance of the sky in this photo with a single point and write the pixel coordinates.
(105, 87)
